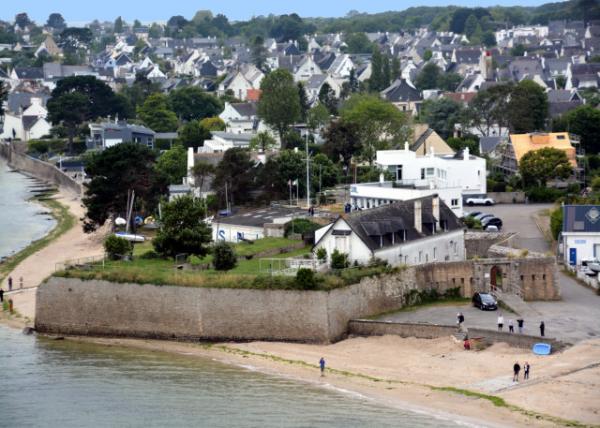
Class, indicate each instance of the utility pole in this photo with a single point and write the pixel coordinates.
(307, 175)
(226, 199)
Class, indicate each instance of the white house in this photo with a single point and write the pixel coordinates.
(580, 236)
(306, 68)
(28, 124)
(411, 232)
(222, 141)
(452, 170)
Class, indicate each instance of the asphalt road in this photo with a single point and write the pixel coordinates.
(576, 317)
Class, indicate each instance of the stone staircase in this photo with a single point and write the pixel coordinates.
(515, 303)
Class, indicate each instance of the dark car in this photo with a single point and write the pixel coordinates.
(491, 221)
(485, 302)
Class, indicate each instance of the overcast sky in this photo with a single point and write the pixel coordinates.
(75, 11)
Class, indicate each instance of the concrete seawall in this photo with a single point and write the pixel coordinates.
(434, 331)
(39, 169)
(101, 308)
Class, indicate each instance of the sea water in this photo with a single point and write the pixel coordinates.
(21, 220)
(51, 383)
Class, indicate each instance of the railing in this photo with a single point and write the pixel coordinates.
(81, 263)
(288, 266)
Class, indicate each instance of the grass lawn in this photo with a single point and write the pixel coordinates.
(164, 271)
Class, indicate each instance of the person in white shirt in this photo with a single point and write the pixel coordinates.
(500, 322)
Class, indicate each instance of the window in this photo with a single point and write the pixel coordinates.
(434, 253)
(454, 202)
(422, 173)
(398, 172)
(430, 172)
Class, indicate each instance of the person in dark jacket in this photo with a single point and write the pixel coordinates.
(542, 328)
(526, 368)
(322, 366)
(516, 370)
(520, 323)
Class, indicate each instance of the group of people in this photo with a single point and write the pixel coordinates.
(517, 370)
(520, 324)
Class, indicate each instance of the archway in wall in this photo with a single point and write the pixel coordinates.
(495, 278)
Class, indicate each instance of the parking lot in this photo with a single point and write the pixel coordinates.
(576, 317)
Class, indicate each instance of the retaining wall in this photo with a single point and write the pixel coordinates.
(507, 197)
(434, 331)
(39, 169)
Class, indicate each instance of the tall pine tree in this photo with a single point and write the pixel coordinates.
(376, 81)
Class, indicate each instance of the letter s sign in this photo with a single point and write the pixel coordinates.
(221, 235)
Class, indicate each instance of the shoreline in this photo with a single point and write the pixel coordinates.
(463, 406)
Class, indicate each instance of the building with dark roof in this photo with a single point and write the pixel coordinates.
(411, 232)
(107, 134)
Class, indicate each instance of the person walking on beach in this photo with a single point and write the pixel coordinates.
(500, 322)
(526, 367)
(322, 365)
(542, 328)
(460, 318)
(516, 370)
(520, 323)
(10, 283)
(511, 326)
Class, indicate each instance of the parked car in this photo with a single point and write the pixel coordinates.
(473, 213)
(491, 228)
(480, 201)
(485, 301)
(491, 221)
(483, 216)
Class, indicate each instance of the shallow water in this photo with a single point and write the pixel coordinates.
(61, 383)
(20, 220)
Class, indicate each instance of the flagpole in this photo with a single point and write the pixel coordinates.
(307, 176)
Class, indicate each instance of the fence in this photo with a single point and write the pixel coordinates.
(288, 266)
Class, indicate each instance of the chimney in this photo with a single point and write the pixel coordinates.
(466, 153)
(435, 209)
(406, 147)
(418, 216)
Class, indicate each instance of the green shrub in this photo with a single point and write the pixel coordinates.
(301, 226)
(322, 254)
(306, 279)
(339, 260)
(556, 221)
(472, 223)
(224, 257)
(150, 255)
(544, 194)
(116, 247)
(194, 260)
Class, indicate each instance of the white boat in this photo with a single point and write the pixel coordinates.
(131, 237)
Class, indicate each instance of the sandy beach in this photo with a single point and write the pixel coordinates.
(36, 268)
(419, 374)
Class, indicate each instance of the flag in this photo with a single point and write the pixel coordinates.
(295, 183)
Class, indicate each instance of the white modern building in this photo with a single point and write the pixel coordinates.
(412, 232)
(452, 177)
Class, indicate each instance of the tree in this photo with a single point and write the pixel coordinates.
(141, 88)
(213, 124)
(73, 38)
(155, 31)
(182, 229)
(193, 134)
(427, 55)
(155, 114)
(22, 20)
(262, 142)
(317, 117)
(449, 81)
(279, 104)
(281, 170)
(527, 108)
(358, 43)
(118, 26)
(583, 121)
(441, 115)
(342, 142)
(173, 164)
(236, 170)
(518, 50)
(386, 72)
(201, 171)
(376, 81)
(56, 21)
(77, 99)
(258, 53)
(115, 171)
(304, 104)
(458, 144)
(191, 103)
(224, 257)
(538, 166)
(324, 172)
(327, 98)
(489, 39)
(287, 27)
(396, 72)
(471, 25)
(489, 108)
(379, 123)
(116, 247)
(429, 77)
